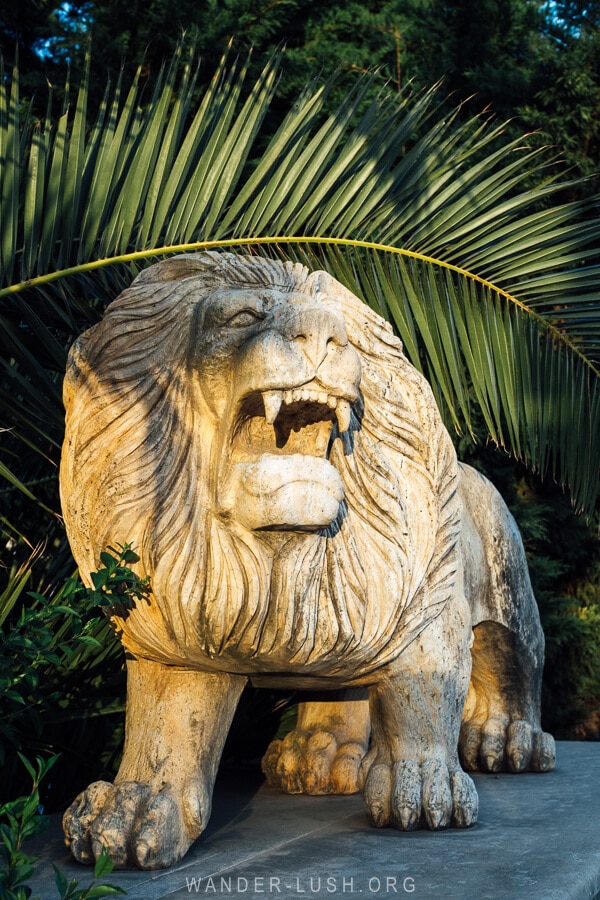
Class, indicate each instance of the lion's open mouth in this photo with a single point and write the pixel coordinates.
(298, 421)
(278, 476)
(274, 400)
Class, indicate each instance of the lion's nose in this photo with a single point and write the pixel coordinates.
(316, 330)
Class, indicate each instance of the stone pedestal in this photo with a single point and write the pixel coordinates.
(536, 839)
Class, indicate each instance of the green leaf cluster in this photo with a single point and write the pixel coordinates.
(115, 585)
(43, 637)
(70, 890)
(61, 669)
(565, 569)
(21, 819)
(563, 553)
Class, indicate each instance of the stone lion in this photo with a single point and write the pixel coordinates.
(256, 433)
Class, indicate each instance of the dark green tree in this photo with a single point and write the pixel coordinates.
(43, 36)
(565, 96)
(537, 60)
(480, 47)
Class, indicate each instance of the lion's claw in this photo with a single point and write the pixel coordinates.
(497, 745)
(412, 795)
(307, 762)
(138, 826)
(544, 752)
(78, 819)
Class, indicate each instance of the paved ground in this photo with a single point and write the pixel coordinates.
(538, 838)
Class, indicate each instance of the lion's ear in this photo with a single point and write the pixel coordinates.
(76, 367)
(174, 269)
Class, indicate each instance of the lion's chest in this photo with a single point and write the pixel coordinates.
(315, 610)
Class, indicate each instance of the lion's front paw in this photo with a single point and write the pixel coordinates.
(139, 826)
(411, 794)
(496, 744)
(313, 762)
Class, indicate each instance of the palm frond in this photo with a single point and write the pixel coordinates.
(494, 289)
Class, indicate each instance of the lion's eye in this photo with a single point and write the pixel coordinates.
(245, 317)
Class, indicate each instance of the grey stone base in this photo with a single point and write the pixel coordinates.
(538, 838)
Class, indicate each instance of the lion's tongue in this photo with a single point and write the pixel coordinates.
(284, 492)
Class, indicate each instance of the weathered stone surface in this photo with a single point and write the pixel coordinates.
(256, 433)
(535, 839)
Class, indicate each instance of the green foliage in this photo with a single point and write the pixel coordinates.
(56, 653)
(114, 585)
(535, 59)
(563, 553)
(61, 675)
(565, 98)
(70, 890)
(21, 819)
(564, 559)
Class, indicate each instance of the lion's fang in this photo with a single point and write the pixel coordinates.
(272, 401)
(342, 414)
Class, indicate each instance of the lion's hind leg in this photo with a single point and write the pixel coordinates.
(501, 721)
(177, 722)
(323, 753)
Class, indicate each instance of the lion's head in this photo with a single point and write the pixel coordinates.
(255, 431)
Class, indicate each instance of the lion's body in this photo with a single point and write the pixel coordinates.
(283, 473)
(347, 591)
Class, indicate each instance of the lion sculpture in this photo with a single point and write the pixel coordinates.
(256, 433)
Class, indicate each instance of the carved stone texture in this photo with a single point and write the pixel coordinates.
(257, 434)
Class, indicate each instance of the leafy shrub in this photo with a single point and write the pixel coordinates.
(563, 552)
(20, 820)
(62, 674)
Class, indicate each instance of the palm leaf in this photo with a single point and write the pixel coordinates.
(493, 288)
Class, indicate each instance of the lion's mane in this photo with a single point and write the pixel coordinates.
(134, 469)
